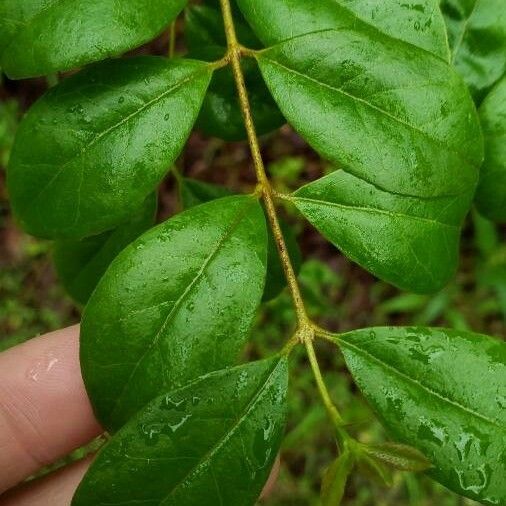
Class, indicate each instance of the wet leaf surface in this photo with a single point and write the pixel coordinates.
(195, 192)
(477, 36)
(491, 194)
(213, 441)
(81, 264)
(92, 149)
(442, 392)
(40, 37)
(418, 22)
(177, 303)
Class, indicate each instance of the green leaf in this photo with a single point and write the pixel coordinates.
(195, 192)
(401, 457)
(442, 392)
(95, 146)
(335, 478)
(40, 37)
(177, 303)
(477, 34)
(418, 22)
(221, 114)
(491, 194)
(401, 126)
(81, 264)
(411, 242)
(213, 441)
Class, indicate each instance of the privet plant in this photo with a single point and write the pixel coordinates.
(387, 92)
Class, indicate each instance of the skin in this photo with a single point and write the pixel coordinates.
(45, 414)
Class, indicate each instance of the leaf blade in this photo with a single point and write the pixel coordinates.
(177, 303)
(477, 35)
(219, 437)
(100, 142)
(419, 23)
(386, 233)
(491, 193)
(439, 391)
(41, 37)
(81, 264)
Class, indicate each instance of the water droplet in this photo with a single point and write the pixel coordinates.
(474, 480)
(176, 426)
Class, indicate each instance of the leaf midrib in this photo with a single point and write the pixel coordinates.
(97, 137)
(418, 383)
(374, 211)
(367, 104)
(208, 260)
(230, 433)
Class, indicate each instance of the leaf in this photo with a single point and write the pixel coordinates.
(81, 264)
(411, 242)
(477, 34)
(213, 441)
(418, 22)
(221, 115)
(442, 392)
(195, 192)
(335, 478)
(177, 303)
(94, 147)
(401, 126)
(491, 194)
(401, 457)
(40, 37)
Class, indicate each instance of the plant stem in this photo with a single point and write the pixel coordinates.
(322, 387)
(306, 329)
(172, 39)
(234, 53)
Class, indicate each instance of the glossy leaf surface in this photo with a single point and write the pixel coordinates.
(411, 242)
(195, 192)
(175, 304)
(477, 35)
(211, 442)
(221, 115)
(401, 125)
(40, 37)
(418, 22)
(443, 392)
(92, 149)
(491, 195)
(81, 264)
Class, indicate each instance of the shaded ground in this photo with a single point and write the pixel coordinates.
(340, 296)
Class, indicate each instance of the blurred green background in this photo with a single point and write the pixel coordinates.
(339, 296)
